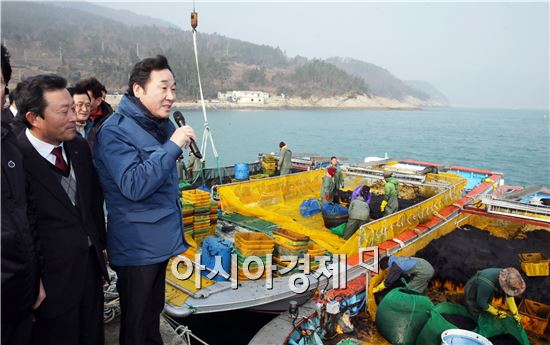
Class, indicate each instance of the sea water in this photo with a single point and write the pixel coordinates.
(514, 142)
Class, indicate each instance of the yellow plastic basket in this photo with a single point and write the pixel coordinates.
(534, 264)
(315, 250)
(253, 238)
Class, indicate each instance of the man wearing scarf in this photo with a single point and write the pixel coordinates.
(135, 154)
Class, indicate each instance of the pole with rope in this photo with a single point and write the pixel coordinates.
(207, 134)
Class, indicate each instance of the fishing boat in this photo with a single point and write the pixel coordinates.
(507, 212)
(442, 190)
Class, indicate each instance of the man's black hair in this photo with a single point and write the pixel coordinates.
(31, 95)
(142, 71)
(93, 85)
(6, 71)
(333, 157)
(281, 144)
(383, 263)
(13, 93)
(6, 66)
(78, 90)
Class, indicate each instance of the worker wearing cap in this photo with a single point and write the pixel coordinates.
(327, 190)
(481, 288)
(417, 270)
(390, 203)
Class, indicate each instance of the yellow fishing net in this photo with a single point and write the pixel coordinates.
(278, 200)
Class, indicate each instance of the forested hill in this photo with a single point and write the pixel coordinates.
(81, 40)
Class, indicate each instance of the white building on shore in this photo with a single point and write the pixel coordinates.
(244, 97)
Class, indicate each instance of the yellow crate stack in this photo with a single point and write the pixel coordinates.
(288, 243)
(252, 244)
(213, 216)
(201, 213)
(188, 210)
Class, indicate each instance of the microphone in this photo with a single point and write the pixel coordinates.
(180, 120)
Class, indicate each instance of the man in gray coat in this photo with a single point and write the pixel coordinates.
(285, 159)
(359, 213)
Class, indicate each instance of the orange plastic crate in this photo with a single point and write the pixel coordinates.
(534, 315)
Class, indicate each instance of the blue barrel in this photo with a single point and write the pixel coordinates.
(241, 171)
(212, 247)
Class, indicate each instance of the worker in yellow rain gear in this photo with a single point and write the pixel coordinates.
(481, 288)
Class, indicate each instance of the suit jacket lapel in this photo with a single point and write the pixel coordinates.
(41, 172)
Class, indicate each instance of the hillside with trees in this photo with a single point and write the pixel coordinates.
(81, 40)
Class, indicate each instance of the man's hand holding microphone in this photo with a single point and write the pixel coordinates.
(184, 136)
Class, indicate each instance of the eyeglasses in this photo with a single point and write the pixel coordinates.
(83, 105)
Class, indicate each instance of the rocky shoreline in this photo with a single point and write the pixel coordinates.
(341, 102)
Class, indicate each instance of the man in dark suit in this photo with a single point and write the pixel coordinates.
(21, 288)
(69, 214)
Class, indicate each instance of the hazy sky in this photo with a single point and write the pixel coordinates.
(492, 54)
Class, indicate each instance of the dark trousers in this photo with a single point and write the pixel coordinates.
(82, 324)
(17, 332)
(141, 292)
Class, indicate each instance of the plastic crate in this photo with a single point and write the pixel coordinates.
(245, 251)
(266, 245)
(534, 264)
(282, 251)
(534, 315)
(291, 235)
(315, 250)
(286, 245)
(253, 238)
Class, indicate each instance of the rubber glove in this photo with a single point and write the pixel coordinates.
(511, 302)
(379, 288)
(383, 205)
(495, 312)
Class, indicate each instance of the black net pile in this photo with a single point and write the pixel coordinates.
(460, 321)
(504, 339)
(460, 254)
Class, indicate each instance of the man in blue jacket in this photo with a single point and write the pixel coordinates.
(417, 271)
(135, 153)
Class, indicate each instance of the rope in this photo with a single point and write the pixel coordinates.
(182, 331)
(207, 134)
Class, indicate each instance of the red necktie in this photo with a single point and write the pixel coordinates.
(59, 161)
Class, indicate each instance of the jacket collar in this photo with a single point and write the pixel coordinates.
(132, 107)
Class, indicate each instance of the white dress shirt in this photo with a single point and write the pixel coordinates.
(44, 149)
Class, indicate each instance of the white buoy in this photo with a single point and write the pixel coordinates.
(463, 337)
